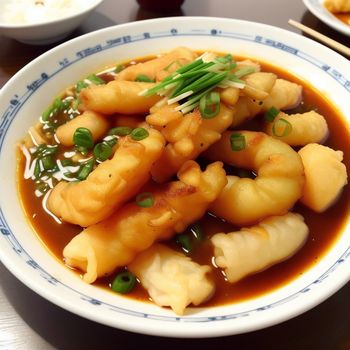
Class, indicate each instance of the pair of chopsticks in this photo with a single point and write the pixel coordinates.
(328, 41)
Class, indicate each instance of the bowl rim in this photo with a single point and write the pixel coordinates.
(151, 330)
(317, 8)
(67, 17)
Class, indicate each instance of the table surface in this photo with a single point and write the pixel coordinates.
(27, 321)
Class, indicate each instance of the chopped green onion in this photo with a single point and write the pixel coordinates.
(120, 131)
(196, 79)
(119, 68)
(197, 231)
(80, 85)
(185, 242)
(124, 282)
(281, 127)
(45, 150)
(111, 140)
(102, 151)
(271, 114)
(82, 137)
(244, 71)
(95, 79)
(170, 64)
(37, 169)
(237, 141)
(209, 105)
(67, 162)
(42, 187)
(139, 134)
(144, 78)
(145, 200)
(86, 169)
(48, 162)
(57, 107)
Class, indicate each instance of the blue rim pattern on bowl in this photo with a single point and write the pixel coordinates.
(17, 102)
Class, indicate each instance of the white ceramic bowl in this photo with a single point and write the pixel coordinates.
(27, 94)
(48, 31)
(317, 8)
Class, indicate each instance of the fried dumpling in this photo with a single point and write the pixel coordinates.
(325, 176)
(101, 248)
(172, 279)
(187, 135)
(110, 185)
(256, 248)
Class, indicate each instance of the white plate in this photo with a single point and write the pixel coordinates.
(31, 90)
(317, 8)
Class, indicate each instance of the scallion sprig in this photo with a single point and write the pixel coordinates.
(196, 79)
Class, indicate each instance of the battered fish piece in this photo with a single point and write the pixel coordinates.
(283, 95)
(325, 176)
(101, 248)
(187, 135)
(278, 183)
(160, 67)
(256, 248)
(118, 97)
(309, 127)
(110, 185)
(172, 279)
(95, 122)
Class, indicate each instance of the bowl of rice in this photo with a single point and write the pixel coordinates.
(41, 22)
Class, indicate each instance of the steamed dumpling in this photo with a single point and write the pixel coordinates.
(256, 248)
(172, 279)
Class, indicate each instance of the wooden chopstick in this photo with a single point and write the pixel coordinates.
(325, 39)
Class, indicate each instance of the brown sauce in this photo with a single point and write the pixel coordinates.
(343, 17)
(324, 228)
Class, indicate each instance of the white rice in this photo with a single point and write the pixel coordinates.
(36, 11)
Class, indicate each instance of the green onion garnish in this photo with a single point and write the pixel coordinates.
(197, 231)
(145, 200)
(191, 81)
(48, 162)
(237, 141)
(209, 105)
(80, 85)
(139, 134)
(120, 131)
(82, 137)
(57, 107)
(281, 127)
(271, 114)
(86, 169)
(124, 282)
(144, 78)
(184, 241)
(95, 79)
(119, 68)
(102, 151)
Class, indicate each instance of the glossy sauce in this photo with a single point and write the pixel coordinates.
(324, 228)
(343, 17)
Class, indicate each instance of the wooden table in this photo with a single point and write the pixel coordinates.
(27, 321)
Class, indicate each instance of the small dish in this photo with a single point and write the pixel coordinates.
(317, 8)
(42, 32)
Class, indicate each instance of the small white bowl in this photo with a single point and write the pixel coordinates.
(49, 31)
(32, 89)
